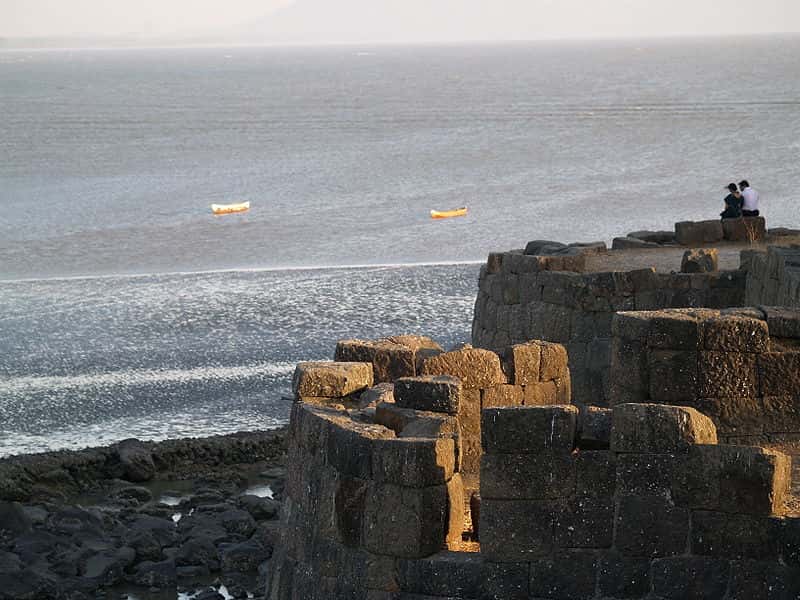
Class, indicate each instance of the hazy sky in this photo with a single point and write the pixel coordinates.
(396, 20)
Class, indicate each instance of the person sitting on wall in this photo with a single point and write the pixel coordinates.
(750, 206)
(733, 203)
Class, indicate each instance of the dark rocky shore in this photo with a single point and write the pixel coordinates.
(142, 520)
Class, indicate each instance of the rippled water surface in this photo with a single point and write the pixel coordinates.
(109, 161)
(91, 361)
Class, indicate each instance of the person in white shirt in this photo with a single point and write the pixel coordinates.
(750, 205)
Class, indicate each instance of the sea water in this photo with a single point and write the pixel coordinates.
(128, 309)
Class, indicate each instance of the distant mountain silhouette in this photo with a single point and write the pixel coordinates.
(389, 20)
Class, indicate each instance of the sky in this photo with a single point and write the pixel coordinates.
(330, 21)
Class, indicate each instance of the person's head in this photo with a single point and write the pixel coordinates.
(743, 184)
(732, 188)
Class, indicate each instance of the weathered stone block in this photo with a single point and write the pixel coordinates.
(779, 373)
(553, 361)
(405, 522)
(522, 363)
(753, 480)
(630, 372)
(503, 581)
(657, 237)
(691, 233)
(585, 522)
(502, 395)
(413, 462)
(350, 446)
(745, 229)
(758, 580)
(684, 577)
(434, 393)
(389, 360)
(596, 474)
(383, 392)
(729, 535)
(516, 530)
(623, 577)
(568, 575)
(349, 503)
(672, 375)
(631, 243)
(547, 474)
(631, 325)
(528, 429)
(541, 394)
(781, 414)
(331, 379)
(673, 330)
(469, 421)
(650, 526)
(734, 416)
(658, 428)
(396, 418)
(594, 428)
(476, 368)
(453, 574)
(456, 509)
(730, 333)
(421, 345)
(700, 260)
(786, 532)
(783, 322)
(727, 375)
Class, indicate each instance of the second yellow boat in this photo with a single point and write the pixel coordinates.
(446, 214)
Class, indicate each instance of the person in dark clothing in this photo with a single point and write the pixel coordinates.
(733, 203)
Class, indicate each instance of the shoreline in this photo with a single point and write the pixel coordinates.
(144, 520)
(352, 267)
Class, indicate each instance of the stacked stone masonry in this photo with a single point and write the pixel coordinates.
(519, 299)
(741, 367)
(773, 277)
(636, 502)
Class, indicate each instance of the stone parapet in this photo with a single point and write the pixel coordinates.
(727, 364)
(773, 276)
(633, 502)
(517, 302)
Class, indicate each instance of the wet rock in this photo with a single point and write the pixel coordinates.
(261, 509)
(238, 522)
(243, 557)
(37, 515)
(13, 518)
(162, 529)
(146, 546)
(9, 562)
(192, 572)
(155, 574)
(108, 568)
(27, 585)
(198, 551)
(136, 460)
(73, 520)
(211, 594)
(134, 492)
(273, 473)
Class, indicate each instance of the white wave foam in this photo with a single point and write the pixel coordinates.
(248, 270)
(128, 377)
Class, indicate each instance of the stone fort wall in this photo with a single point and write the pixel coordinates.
(636, 501)
(529, 296)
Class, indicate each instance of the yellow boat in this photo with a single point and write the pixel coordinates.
(225, 209)
(445, 214)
